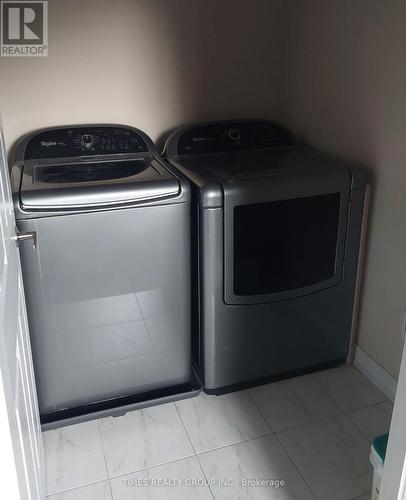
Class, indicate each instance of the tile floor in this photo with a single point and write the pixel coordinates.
(306, 438)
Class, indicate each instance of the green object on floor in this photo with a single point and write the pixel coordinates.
(377, 457)
(380, 443)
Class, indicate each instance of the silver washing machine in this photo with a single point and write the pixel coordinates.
(107, 275)
(277, 230)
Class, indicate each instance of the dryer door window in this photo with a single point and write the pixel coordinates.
(285, 245)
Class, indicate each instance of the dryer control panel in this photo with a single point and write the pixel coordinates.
(85, 141)
(231, 136)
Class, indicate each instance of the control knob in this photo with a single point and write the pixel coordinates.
(87, 140)
(234, 134)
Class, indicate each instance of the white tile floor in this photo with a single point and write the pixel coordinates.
(306, 438)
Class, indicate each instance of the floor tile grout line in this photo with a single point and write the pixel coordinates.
(315, 421)
(358, 429)
(343, 410)
(233, 444)
(347, 414)
(205, 477)
(272, 432)
(61, 492)
(296, 467)
(197, 453)
(386, 399)
(259, 411)
(104, 456)
(184, 427)
(369, 406)
(106, 479)
(318, 421)
(151, 467)
(290, 458)
(109, 477)
(193, 448)
(310, 423)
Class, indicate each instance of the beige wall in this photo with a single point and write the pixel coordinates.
(345, 91)
(150, 63)
(339, 82)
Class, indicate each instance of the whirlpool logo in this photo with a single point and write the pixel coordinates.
(24, 29)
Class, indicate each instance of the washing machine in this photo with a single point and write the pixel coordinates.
(107, 272)
(277, 230)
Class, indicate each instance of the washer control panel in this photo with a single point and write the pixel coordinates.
(232, 136)
(84, 141)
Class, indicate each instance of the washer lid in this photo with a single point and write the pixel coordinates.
(93, 184)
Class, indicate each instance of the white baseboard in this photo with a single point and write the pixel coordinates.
(375, 373)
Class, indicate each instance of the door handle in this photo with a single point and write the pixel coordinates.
(26, 235)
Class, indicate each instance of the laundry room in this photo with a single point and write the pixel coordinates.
(203, 250)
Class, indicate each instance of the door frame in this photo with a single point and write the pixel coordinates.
(394, 473)
(21, 450)
(7, 459)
